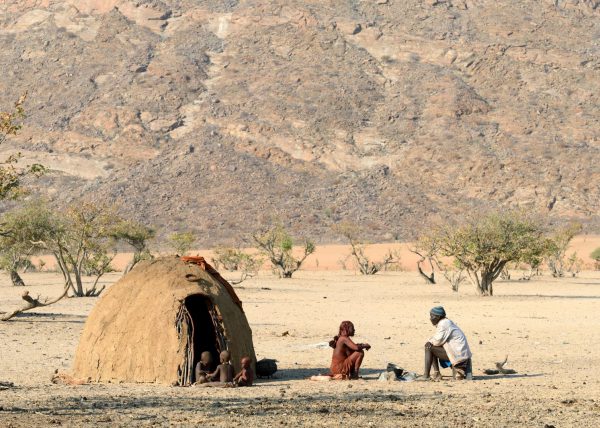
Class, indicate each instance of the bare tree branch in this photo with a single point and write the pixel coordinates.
(32, 303)
(430, 279)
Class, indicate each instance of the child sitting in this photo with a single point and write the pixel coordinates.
(223, 375)
(246, 376)
(204, 367)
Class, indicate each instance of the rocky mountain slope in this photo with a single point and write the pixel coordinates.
(218, 116)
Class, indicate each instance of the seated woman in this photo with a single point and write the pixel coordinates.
(347, 355)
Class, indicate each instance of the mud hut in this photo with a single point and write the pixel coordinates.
(153, 324)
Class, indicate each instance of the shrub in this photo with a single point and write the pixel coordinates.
(277, 245)
(365, 265)
(595, 255)
(485, 244)
(181, 242)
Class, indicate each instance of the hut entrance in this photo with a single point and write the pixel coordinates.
(200, 324)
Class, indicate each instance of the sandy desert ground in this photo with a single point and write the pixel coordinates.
(549, 328)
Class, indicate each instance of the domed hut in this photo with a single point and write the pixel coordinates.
(153, 324)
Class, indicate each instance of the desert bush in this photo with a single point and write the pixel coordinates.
(365, 265)
(277, 245)
(427, 249)
(558, 260)
(455, 277)
(23, 229)
(485, 244)
(82, 241)
(10, 121)
(505, 273)
(534, 257)
(137, 236)
(181, 242)
(595, 255)
(80, 238)
(236, 260)
(573, 264)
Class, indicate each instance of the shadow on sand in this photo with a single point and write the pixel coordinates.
(552, 296)
(372, 375)
(305, 373)
(188, 400)
(48, 317)
(506, 376)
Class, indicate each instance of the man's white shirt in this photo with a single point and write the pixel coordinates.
(453, 340)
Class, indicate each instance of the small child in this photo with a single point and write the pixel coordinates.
(204, 367)
(224, 372)
(246, 376)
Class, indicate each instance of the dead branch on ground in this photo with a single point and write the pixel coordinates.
(243, 276)
(500, 368)
(32, 303)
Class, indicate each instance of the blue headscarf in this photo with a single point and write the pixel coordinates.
(438, 310)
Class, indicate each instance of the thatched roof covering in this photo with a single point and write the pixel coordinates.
(135, 332)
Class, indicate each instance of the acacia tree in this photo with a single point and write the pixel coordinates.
(535, 256)
(365, 265)
(595, 255)
(14, 251)
(484, 245)
(236, 260)
(277, 245)
(557, 258)
(82, 241)
(181, 242)
(137, 235)
(24, 228)
(10, 188)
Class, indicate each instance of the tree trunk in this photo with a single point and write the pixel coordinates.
(485, 284)
(16, 279)
(78, 283)
(62, 264)
(430, 279)
(482, 280)
(137, 257)
(129, 266)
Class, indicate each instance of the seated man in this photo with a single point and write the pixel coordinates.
(347, 355)
(447, 344)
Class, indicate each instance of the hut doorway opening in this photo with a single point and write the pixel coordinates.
(203, 332)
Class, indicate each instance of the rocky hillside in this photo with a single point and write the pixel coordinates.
(218, 116)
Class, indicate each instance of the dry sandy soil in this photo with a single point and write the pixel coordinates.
(549, 329)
